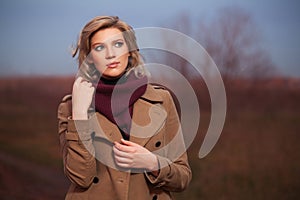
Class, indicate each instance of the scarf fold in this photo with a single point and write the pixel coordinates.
(115, 99)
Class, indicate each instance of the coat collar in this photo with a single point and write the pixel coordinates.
(148, 117)
(151, 95)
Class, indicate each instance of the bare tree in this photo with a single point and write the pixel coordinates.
(233, 41)
(182, 24)
(231, 38)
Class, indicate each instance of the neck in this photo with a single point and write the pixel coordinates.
(112, 78)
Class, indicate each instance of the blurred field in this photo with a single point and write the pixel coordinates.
(257, 156)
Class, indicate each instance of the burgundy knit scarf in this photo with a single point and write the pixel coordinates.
(115, 99)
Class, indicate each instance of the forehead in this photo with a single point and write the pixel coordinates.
(107, 35)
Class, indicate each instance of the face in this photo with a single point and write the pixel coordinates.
(109, 52)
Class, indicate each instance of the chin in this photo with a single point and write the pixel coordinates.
(112, 75)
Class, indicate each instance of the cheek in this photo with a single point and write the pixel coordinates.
(99, 62)
(125, 59)
(97, 58)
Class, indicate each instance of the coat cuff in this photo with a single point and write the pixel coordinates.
(164, 170)
(79, 129)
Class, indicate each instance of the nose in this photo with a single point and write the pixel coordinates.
(110, 53)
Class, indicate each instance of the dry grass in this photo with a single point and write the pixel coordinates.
(256, 157)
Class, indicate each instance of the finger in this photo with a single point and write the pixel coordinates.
(123, 154)
(89, 84)
(86, 83)
(78, 80)
(124, 148)
(121, 160)
(124, 165)
(128, 143)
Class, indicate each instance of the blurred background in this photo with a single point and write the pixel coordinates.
(255, 44)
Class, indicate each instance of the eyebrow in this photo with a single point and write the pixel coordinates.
(116, 40)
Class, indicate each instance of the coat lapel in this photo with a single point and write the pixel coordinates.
(148, 117)
(106, 129)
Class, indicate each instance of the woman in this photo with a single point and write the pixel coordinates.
(120, 137)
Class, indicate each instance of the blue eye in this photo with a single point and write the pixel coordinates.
(99, 47)
(119, 44)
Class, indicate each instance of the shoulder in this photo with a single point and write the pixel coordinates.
(160, 89)
(157, 86)
(157, 93)
(154, 93)
(65, 106)
(163, 91)
(168, 96)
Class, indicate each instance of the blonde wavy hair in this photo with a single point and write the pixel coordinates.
(98, 23)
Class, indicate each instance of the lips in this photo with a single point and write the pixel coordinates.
(113, 64)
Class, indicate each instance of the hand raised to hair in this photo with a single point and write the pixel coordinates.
(131, 155)
(82, 96)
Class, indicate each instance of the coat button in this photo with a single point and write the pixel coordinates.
(154, 197)
(95, 180)
(157, 144)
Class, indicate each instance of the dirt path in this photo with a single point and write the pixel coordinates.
(21, 179)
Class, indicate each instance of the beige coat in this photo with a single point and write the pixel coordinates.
(88, 159)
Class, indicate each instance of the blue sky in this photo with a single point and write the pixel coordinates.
(36, 36)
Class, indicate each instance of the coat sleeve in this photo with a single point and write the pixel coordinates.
(175, 173)
(76, 146)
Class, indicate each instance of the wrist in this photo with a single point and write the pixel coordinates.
(79, 115)
(154, 164)
(154, 169)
